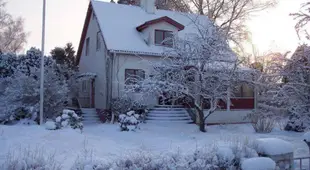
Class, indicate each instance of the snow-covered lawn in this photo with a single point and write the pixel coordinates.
(106, 141)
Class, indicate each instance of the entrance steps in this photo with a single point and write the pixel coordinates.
(168, 114)
(90, 116)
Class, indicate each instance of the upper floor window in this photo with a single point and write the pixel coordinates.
(98, 42)
(163, 37)
(132, 76)
(87, 46)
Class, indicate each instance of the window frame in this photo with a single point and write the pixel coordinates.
(98, 41)
(135, 74)
(87, 46)
(84, 86)
(163, 32)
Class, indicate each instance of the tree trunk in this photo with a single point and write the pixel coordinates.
(201, 123)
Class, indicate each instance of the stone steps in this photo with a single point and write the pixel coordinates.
(90, 116)
(168, 114)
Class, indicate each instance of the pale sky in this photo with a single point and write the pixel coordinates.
(271, 30)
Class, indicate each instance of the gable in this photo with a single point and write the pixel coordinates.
(159, 20)
(119, 25)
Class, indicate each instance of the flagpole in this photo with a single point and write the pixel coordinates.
(42, 64)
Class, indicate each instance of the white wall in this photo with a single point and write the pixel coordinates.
(95, 62)
(233, 116)
(123, 62)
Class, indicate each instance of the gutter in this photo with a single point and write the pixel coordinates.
(136, 52)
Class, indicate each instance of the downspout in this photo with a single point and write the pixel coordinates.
(111, 77)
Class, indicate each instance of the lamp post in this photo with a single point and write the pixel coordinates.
(42, 64)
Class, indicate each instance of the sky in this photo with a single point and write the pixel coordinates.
(272, 30)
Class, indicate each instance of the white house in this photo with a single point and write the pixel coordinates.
(118, 39)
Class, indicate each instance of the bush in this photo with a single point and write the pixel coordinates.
(24, 114)
(30, 159)
(20, 84)
(123, 105)
(221, 156)
(129, 121)
(262, 123)
(67, 118)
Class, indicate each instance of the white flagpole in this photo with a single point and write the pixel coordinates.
(42, 64)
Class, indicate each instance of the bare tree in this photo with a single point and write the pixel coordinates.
(303, 17)
(229, 15)
(12, 34)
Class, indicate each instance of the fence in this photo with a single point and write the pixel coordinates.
(299, 164)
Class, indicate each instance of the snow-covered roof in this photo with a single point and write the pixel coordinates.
(118, 25)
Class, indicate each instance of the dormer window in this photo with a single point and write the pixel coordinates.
(163, 37)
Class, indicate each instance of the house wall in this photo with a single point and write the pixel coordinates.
(95, 62)
(122, 62)
(233, 116)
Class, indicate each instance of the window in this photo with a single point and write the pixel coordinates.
(87, 47)
(163, 38)
(132, 76)
(84, 86)
(98, 42)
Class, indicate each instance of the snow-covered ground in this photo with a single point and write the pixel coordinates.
(106, 141)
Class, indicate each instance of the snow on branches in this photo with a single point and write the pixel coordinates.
(199, 70)
(20, 84)
(295, 89)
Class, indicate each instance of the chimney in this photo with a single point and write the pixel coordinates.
(148, 6)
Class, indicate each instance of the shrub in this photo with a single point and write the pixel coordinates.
(24, 114)
(262, 123)
(129, 121)
(86, 160)
(123, 105)
(67, 118)
(30, 159)
(221, 156)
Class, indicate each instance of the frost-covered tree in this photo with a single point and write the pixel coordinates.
(303, 19)
(200, 70)
(20, 88)
(295, 89)
(12, 34)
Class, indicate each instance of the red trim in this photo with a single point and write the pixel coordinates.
(239, 103)
(158, 20)
(84, 33)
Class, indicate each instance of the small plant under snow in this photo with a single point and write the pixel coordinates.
(306, 137)
(259, 163)
(67, 118)
(30, 159)
(273, 146)
(129, 121)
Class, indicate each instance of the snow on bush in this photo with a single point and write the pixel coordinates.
(129, 121)
(30, 159)
(273, 146)
(50, 125)
(20, 84)
(221, 156)
(262, 122)
(306, 137)
(86, 160)
(260, 163)
(67, 118)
